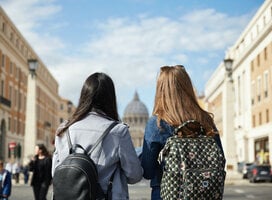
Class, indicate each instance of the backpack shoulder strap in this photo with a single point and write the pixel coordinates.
(186, 123)
(102, 136)
(69, 141)
(97, 142)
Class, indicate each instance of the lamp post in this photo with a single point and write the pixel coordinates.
(228, 138)
(228, 62)
(31, 114)
(32, 66)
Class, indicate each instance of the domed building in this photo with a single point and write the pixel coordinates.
(136, 116)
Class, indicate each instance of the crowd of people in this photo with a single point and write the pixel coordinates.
(175, 102)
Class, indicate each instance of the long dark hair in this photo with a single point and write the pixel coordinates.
(43, 150)
(98, 92)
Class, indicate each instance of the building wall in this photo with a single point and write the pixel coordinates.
(137, 125)
(252, 78)
(261, 101)
(14, 54)
(66, 109)
(136, 117)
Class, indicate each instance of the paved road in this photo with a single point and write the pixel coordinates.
(258, 191)
(140, 191)
(238, 190)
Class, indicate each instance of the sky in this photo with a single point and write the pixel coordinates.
(129, 39)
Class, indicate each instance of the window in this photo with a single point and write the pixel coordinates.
(4, 27)
(258, 60)
(253, 92)
(252, 66)
(3, 60)
(266, 84)
(260, 118)
(239, 95)
(259, 89)
(262, 150)
(265, 53)
(2, 88)
(20, 100)
(9, 123)
(15, 97)
(267, 115)
(10, 93)
(10, 67)
(11, 37)
(253, 121)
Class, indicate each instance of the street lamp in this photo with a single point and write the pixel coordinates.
(228, 105)
(32, 65)
(30, 139)
(228, 66)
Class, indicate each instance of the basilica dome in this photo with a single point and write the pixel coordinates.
(136, 116)
(135, 108)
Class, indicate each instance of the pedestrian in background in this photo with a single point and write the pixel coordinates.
(175, 103)
(5, 182)
(116, 155)
(25, 170)
(8, 166)
(16, 171)
(41, 165)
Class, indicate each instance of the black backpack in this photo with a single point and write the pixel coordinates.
(76, 178)
(193, 165)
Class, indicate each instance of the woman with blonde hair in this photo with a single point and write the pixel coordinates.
(175, 103)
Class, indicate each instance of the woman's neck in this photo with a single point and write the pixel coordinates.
(41, 156)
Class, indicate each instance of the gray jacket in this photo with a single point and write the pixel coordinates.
(115, 152)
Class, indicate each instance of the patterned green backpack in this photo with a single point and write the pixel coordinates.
(193, 165)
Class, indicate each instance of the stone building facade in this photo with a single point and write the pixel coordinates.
(241, 98)
(29, 99)
(136, 116)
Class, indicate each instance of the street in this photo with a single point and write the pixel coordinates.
(242, 190)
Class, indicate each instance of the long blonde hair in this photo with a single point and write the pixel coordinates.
(175, 99)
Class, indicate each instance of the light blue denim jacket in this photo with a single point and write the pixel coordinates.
(116, 152)
(154, 140)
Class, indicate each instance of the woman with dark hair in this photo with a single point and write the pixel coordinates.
(41, 166)
(97, 109)
(175, 103)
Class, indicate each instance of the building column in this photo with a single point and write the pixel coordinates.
(31, 114)
(229, 142)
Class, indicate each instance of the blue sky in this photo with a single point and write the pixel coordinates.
(129, 39)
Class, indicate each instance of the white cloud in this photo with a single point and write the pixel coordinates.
(131, 50)
(28, 14)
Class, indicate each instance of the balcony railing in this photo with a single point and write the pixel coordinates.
(5, 101)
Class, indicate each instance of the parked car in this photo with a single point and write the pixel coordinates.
(246, 168)
(259, 173)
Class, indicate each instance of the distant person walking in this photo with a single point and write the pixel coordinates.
(175, 103)
(5, 182)
(26, 173)
(16, 171)
(41, 165)
(8, 166)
